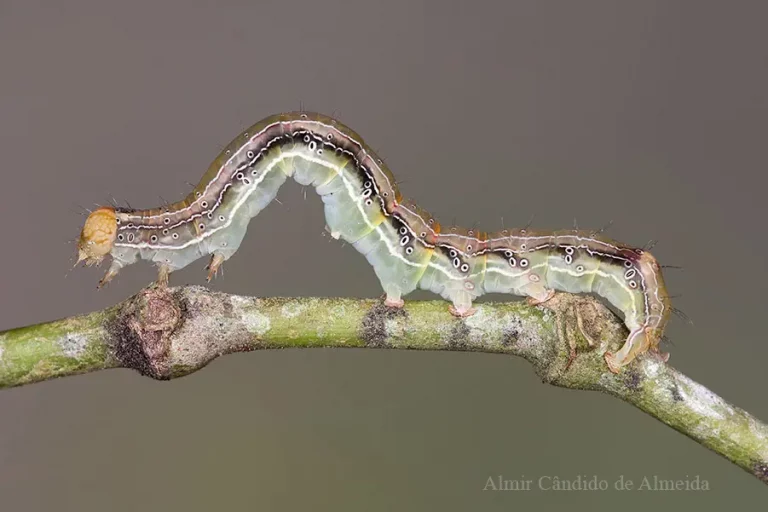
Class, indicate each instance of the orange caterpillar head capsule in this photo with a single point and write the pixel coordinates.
(98, 236)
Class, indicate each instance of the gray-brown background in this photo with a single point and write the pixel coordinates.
(651, 114)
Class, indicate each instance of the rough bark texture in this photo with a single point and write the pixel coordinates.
(169, 332)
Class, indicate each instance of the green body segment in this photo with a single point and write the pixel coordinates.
(399, 261)
(403, 243)
(351, 211)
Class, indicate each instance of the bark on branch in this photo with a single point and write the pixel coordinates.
(169, 332)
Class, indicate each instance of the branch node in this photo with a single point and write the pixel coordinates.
(141, 331)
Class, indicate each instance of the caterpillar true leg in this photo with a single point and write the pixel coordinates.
(163, 273)
(213, 267)
(114, 268)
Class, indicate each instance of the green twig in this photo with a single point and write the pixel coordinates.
(170, 332)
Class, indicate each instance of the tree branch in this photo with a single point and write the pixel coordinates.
(169, 332)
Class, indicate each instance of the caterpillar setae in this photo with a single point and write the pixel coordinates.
(363, 206)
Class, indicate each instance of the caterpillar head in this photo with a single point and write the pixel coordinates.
(98, 236)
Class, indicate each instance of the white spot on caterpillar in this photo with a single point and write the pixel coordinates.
(73, 345)
(292, 310)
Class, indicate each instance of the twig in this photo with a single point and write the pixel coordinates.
(169, 332)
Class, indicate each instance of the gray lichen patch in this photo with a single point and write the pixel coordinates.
(702, 400)
(674, 390)
(459, 337)
(530, 338)
(632, 378)
(610, 384)
(651, 368)
(483, 328)
(292, 310)
(395, 327)
(338, 312)
(256, 323)
(760, 470)
(73, 345)
(377, 324)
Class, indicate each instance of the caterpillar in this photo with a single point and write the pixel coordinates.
(406, 246)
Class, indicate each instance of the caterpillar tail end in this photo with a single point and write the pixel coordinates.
(639, 341)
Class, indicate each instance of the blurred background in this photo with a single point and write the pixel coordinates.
(649, 114)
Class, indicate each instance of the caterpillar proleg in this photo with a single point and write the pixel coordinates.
(406, 246)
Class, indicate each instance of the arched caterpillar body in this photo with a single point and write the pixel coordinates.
(405, 245)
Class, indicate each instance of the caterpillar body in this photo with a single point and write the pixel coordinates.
(406, 246)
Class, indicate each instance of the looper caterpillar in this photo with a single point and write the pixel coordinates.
(406, 246)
